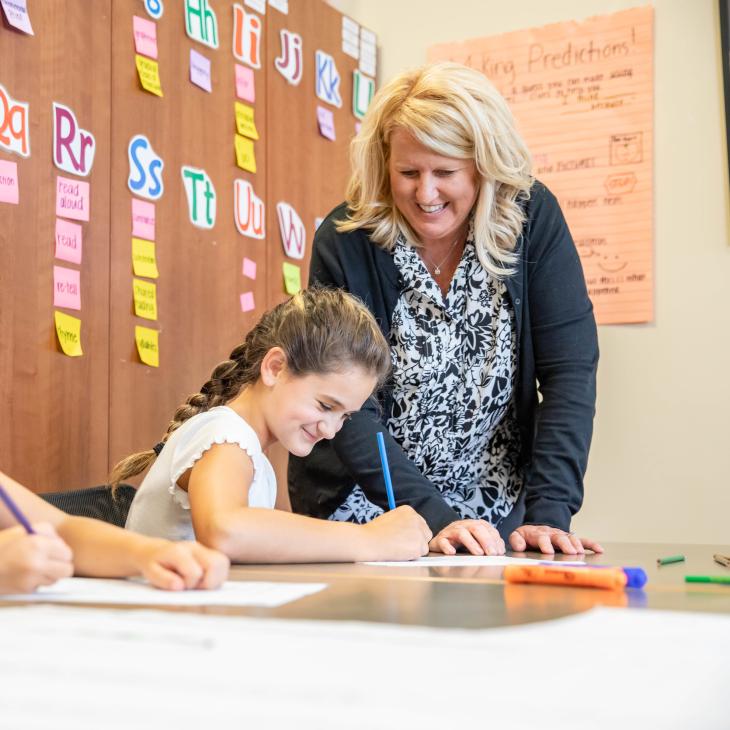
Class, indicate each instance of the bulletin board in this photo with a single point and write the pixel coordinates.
(68, 419)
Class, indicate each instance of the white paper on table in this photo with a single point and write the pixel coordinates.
(461, 560)
(133, 592)
(627, 668)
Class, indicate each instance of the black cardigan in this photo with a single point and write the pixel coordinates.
(557, 349)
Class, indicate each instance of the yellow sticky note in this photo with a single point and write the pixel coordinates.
(244, 120)
(143, 258)
(292, 278)
(148, 345)
(145, 298)
(68, 330)
(245, 157)
(149, 74)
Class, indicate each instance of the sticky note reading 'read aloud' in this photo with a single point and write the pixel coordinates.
(144, 262)
(145, 299)
(148, 345)
(66, 288)
(292, 278)
(68, 331)
(72, 199)
(149, 74)
(9, 191)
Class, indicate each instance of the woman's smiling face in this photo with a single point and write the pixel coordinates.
(435, 194)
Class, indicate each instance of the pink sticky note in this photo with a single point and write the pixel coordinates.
(200, 70)
(145, 36)
(9, 190)
(16, 11)
(143, 219)
(245, 87)
(249, 268)
(247, 303)
(68, 241)
(66, 288)
(326, 122)
(72, 198)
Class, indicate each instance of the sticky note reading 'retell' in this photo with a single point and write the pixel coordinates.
(66, 288)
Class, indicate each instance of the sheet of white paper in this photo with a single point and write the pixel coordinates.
(84, 668)
(231, 593)
(453, 560)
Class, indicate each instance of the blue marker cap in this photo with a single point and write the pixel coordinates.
(635, 577)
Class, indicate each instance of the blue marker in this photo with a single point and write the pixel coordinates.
(15, 511)
(386, 470)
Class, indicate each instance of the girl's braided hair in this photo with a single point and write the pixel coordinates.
(320, 331)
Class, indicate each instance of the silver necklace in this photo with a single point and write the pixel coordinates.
(437, 267)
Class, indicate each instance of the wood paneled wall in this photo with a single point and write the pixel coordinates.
(67, 420)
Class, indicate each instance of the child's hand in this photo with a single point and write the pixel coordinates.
(28, 561)
(401, 534)
(175, 566)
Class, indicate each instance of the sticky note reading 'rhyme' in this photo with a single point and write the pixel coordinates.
(66, 288)
(68, 331)
(148, 345)
(145, 299)
(149, 74)
(143, 258)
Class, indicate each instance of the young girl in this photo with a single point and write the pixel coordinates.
(301, 371)
(63, 545)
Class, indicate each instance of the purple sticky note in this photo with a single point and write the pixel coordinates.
(9, 190)
(68, 241)
(16, 11)
(72, 198)
(326, 122)
(66, 288)
(143, 219)
(245, 87)
(249, 268)
(247, 303)
(145, 36)
(200, 70)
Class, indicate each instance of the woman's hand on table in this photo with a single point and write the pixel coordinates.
(476, 536)
(548, 539)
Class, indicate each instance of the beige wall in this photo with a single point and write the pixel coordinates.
(660, 464)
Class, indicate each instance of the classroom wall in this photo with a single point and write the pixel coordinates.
(660, 464)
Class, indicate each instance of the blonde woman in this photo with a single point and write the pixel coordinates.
(467, 264)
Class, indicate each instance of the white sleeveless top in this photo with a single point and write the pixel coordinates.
(161, 508)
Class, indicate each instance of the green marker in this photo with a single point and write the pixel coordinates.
(670, 559)
(707, 579)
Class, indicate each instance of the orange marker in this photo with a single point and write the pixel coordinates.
(610, 578)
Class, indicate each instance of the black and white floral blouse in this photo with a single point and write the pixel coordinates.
(453, 373)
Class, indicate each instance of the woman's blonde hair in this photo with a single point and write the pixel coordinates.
(455, 112)
(320, 331)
